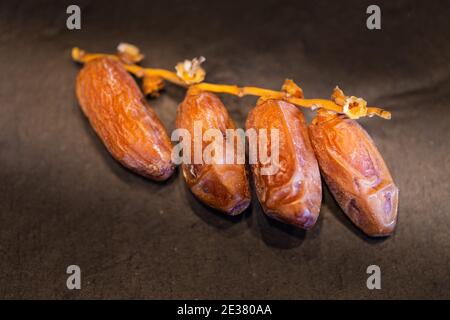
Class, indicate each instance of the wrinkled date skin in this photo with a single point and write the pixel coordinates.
(121, 117)
(294, 193)
(221, 186)
(355, 172)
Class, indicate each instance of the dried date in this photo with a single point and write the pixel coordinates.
(294, 193)
(355, 172)
(121, 117)
(219, 184)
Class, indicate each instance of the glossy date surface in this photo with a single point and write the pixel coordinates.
(220, 185)
(355, 172)
(121, 117)
(294, 193)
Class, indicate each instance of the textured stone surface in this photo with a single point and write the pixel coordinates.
(64, 200)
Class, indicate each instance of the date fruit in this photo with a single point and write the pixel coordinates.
(121, 117)
(220, 185)
(294, 193)
(355, 172)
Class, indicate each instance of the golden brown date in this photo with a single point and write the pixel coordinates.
(219, 185)
(121, 117)
(355, 172)
(294, 193)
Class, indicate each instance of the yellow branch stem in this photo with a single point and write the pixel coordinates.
(83, 57)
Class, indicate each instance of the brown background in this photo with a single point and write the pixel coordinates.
(64, 200)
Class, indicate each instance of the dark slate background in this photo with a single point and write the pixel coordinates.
(64, 200)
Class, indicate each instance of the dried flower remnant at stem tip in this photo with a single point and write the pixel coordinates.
(191, 71)
(129, 54)
(291, 88)
(190, 74)
(355, 107)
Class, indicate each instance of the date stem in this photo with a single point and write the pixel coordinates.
(190, 74)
